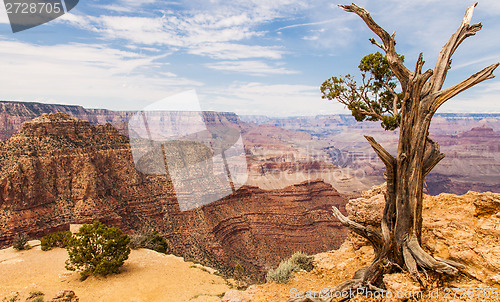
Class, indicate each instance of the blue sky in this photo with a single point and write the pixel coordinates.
(246, 56)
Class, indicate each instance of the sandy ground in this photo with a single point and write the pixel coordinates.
(145, 276)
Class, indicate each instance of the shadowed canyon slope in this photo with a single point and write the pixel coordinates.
(59, 170)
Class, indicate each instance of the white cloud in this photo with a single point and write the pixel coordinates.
(116, 8)
(78, 20)
(202, 31)
(215, 29)
(126, 6)
(90, 75)
(307, 24)
(136, 3)
(483, 61)
(232, 51)
(269, 99)
(249, 67)
(310, 38)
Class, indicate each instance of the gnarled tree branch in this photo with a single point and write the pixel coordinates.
(442, 65)
(385, 156)
(371, 113)
(401, 72)
(448, 93)
(432, 156)
(395, 96)
(373, 236)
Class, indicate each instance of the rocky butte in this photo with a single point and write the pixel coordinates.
(58, 170)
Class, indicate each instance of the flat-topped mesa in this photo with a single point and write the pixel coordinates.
(61, 132)
(54, 117)
(481, 132)
(64, 125)
(14, 114)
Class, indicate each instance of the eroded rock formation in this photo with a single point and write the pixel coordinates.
(284, 151)
(60, 170)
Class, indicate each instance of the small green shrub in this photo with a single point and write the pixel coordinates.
(302, 261)
(59, 239)
(282, 273)
(152, 241)
(97, 250)
(20, 242)
(157, 243)
(240, 277)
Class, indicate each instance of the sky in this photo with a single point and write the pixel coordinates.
(251, 57)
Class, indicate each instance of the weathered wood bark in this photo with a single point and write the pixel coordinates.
(399, 244)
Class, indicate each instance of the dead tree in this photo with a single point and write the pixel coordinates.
(397, 245)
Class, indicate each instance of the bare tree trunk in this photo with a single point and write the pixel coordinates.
(401, 224)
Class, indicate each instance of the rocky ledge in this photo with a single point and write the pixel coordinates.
(461, 228)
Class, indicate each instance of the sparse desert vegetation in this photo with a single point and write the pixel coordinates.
(145, 276)
(284, 271)
(58, 239)
(149, 240)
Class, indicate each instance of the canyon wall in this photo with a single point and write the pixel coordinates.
(283, 151)
(60, 170)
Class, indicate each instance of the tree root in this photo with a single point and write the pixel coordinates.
(414, 257)
(425, 260)
(373, 236)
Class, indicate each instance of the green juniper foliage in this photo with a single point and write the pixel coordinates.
(97, 250)
(59, 239)
(375, 99)
(282, 273)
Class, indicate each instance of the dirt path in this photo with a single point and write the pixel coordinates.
(146, 276)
